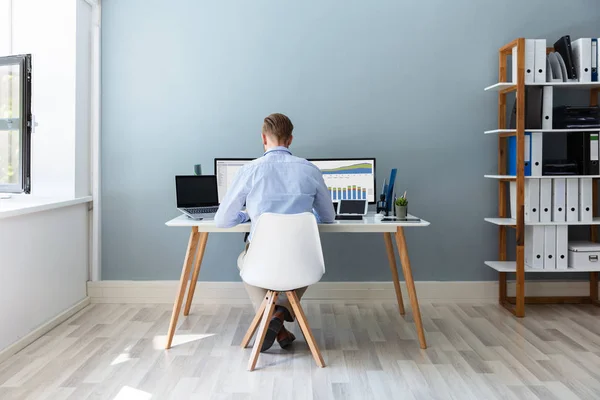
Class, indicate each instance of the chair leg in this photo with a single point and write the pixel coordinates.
(293, 314)
(255, 322)
(310, 340)
(262, 330)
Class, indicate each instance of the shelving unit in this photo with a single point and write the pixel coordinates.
(512, 132)
(511, 266)
(513, 177)
(507, 87)
(513, 222)
(516, 304)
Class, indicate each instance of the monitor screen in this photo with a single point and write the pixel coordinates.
(349, 179)
(225, 170)
(196, 191)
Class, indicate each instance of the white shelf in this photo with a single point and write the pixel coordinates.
(509, 177)
(574, 85)
(500, 131)
(499, 86)
(501, 177)
(511, 266)
(502, 221)
(596, 221)
(513, 222)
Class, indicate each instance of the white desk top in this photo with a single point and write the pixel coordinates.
(368, 224)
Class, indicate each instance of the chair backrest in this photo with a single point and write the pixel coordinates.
(285, 252)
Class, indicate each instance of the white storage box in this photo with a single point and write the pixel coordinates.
(584, 255)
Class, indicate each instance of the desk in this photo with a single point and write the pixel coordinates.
(199, 237)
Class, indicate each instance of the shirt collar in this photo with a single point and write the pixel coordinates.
(278, 148)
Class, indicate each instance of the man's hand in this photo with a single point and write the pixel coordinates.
(246, 216)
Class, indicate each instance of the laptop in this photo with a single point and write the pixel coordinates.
(197, 195)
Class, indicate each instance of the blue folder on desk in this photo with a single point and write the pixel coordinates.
(512, 155)
(389, 190)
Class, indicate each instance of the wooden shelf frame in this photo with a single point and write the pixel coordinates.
(516, 304)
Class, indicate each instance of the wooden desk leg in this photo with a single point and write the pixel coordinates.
(410, 285)
(196, 272)
(387, 237)
(185, 274)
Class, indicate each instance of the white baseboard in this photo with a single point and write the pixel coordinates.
(157, 292)
(42, 330)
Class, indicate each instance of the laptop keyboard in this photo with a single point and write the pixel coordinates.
(202, 210)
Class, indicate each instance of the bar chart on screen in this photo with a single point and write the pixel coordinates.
(349, 179)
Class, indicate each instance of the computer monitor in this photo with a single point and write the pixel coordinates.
(346, 178)
(349, 178)
(225, 170)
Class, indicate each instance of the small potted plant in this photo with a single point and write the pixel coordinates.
(401, 206)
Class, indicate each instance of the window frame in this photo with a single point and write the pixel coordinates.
(25, 124)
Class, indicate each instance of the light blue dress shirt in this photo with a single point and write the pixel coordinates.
(278, 183)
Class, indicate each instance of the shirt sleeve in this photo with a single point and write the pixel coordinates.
(323, 206)
(230, 211)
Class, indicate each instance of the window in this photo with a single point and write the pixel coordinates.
(15, 123)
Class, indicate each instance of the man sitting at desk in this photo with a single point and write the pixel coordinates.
(278, 183)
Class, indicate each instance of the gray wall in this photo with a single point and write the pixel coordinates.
(186, 81)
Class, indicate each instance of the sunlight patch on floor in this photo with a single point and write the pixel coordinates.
(121, 358)
(129, 393)
(160, 341)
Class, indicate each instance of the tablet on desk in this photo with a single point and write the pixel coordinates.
(351, 209)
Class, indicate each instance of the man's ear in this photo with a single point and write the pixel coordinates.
(264, 139)
(289, 143)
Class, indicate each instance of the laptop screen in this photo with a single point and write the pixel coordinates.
(196, 191)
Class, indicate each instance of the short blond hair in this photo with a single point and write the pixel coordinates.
(278, 126)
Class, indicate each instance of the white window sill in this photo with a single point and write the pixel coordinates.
(27, 204)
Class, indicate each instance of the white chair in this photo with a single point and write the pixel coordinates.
(285, 255)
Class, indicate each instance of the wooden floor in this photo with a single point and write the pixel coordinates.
(475, 352)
